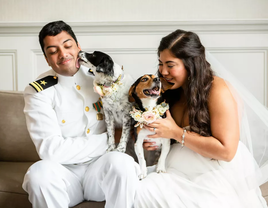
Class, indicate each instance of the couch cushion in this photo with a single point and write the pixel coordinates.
(15, 141)
(11, 176)
(13, 200)
(11, 192)
(264, 190)
(90, 205)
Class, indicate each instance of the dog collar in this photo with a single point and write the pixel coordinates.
(119, 78)
(149, 115)
(103, 90)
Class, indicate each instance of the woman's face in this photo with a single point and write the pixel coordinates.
(172, 69)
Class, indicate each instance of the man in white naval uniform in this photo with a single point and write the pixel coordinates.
(69, 135)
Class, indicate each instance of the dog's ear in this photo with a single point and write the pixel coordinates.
(106, 66)
(132, 89)
(130, 94)
(165, 85)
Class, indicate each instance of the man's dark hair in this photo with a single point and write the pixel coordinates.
(53, 29)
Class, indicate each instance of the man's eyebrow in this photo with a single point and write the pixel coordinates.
(51, 46)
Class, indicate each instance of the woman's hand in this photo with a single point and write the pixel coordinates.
(165, 128)
(149, 145)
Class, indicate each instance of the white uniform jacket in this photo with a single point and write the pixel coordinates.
(62, 121)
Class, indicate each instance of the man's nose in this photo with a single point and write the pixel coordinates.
(62, 53)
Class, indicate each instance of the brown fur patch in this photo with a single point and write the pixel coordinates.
(145, 83)
(165, 85)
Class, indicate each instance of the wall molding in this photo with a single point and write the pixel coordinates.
(35, 53)
(263, 50)
(145, 27)
(13, 54)
(124, 50)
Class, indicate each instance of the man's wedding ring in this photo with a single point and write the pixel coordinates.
(154, 129)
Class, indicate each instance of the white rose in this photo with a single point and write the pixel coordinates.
(137, 116)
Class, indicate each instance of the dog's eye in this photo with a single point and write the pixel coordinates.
(144, 79)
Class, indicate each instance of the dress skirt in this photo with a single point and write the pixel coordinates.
(194, 181)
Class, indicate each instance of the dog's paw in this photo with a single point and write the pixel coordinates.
(121, 148)
(143, 173)
(142, 176)
(110, 148)
(160, 168)
(160, 171)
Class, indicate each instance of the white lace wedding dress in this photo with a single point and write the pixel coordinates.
(193, 181)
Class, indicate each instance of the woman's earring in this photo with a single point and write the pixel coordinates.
(189, 78)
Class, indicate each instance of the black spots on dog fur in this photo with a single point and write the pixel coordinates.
(102, 61)
(106, 66)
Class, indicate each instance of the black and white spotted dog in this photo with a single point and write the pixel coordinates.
(113, 86)
(146, 93)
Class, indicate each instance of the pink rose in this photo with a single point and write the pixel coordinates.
(149, 117)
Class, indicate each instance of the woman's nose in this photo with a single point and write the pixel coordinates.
(163, 70)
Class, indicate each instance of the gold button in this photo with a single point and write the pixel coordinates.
(78, 87)
(87, 109)
(88, 130)
(63, 121)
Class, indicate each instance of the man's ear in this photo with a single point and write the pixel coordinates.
(79, 47)
(130, 92)
(165, 85)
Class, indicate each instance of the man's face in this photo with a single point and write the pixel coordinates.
(61, 53)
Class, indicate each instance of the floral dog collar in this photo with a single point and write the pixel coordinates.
(148, 116)
(103, 90)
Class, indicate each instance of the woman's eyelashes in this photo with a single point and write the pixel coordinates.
(169, 66)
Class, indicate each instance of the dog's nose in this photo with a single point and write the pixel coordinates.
(81, 54)
(156, 79)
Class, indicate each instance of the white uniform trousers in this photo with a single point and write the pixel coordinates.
(113, 177)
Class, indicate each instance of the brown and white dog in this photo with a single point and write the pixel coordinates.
(146, 93)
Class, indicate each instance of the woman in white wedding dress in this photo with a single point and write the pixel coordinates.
(212, 164)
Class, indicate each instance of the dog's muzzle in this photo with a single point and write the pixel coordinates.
(83, 61)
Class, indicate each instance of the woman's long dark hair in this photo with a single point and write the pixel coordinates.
(187, 47)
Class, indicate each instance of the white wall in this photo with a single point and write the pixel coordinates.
(131, 10)
(235, 31)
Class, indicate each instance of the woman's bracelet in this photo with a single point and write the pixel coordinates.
(182, 137)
